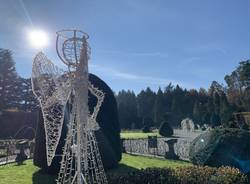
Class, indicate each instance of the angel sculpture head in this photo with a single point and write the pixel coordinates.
(71, 45)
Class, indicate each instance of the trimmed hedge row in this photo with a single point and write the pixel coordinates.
(182, 175)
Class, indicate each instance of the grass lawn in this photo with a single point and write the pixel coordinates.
(137, 134)
(134, 162)
(28, 173)
(23, 174)
(142, 162)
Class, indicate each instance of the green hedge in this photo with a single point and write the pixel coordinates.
(182, 175)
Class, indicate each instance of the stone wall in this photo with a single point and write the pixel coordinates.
(140, 146)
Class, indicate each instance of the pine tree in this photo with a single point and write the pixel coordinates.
(225, 109)
(216, 102)
(145, 103)
(210, 105)
(8, 81)
(177, 106)
(159, 108)
(27, 98)
(215, 120)
(127, 108)
(197, 113)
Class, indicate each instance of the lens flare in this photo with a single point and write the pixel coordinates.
(38, 39)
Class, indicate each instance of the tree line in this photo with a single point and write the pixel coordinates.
(214, 106)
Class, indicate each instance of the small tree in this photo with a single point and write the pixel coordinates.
(146, 129)
(215, 120)
(21, 156)
(147, 124)
(165, 129)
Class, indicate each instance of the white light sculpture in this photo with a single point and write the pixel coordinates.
(81, 162)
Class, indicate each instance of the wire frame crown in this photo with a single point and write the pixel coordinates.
(70, 43)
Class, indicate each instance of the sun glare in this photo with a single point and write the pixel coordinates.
(38, 39)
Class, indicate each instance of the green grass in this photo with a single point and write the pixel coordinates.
(28, 173)
(137, 134)
(133, 162)
(23, 174)
(142, 162)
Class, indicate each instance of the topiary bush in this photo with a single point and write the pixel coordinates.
(222, 147)
(166, 130)
(21, 157)
(108, 137)
(181, 175)
(146, 129)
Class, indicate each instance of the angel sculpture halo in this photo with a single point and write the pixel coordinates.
(69, 43)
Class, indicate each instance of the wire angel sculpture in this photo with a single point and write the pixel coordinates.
(81, 161)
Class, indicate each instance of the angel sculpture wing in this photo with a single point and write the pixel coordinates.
(92, 124)
(52, 87)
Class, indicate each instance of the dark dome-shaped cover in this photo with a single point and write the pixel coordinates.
(108, 137)
(222, 147)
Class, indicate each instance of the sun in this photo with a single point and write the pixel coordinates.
(38, 39)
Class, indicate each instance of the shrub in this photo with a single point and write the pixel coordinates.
(203, 128)
(210, 175)
(194, 174)
(222, 147)
(108, 137)
(228, 175)
(21, 157)
(165, 129)
(215, 120)
(181, 175)
(146, 129)
(147, 176)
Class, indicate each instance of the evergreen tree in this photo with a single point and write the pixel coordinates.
(215, 120)
(197, 113)
(147, 124)
(177, 106)
(206, 118)
(27, 98)
(216, 102)
(225, 109)
(215, 88)
(8, 81)
(159, 108)
(145, 103)
(210, 105)
(168, 97)
(127, 108)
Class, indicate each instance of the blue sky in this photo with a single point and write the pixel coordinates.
(138, 43)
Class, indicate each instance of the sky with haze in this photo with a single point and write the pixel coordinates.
(137, 43)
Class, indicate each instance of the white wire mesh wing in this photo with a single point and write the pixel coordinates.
(52, 87)
(93, 125)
